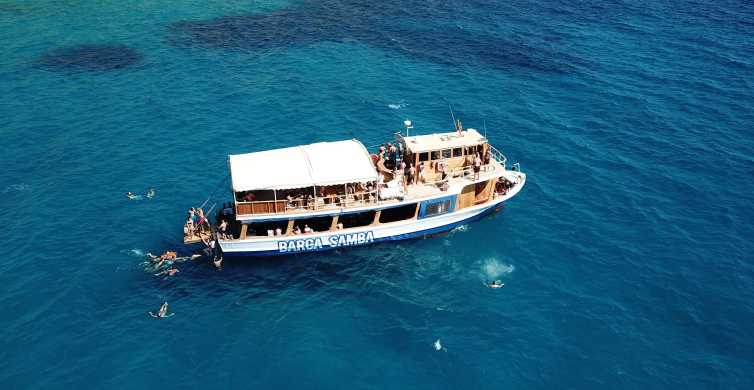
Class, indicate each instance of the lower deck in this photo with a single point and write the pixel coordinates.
(426, 201)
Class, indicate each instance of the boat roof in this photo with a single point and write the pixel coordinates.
(320, 164)
(426, 143)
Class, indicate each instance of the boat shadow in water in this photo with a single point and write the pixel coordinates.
(391, 26)
(98, 58)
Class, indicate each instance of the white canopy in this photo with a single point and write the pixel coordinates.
(320, 164)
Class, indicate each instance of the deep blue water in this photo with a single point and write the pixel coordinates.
(627, 258)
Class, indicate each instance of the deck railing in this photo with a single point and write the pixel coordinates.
(326, 202)
(497, 155)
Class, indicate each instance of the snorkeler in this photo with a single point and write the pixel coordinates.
(131, 196)
(162, 313)
(218, 262)
(167, 258)
(496, 284)
(168, 255)
(168, 272)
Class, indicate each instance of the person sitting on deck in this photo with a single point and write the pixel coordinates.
(289, 202)
(209, 249)
(339, 226)
(223, 228)
(307, 229)
(296, 230)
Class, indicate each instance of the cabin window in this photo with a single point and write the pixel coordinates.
(436, 155)
(263, 229)
(457, 152)
(446, 153)
(318, 224)
(431, 208)
(357, 219)
(400, 213)
(424, 156)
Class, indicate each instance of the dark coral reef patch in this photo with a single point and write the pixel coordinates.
(90, 57)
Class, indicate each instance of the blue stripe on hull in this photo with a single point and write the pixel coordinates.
(420, 233)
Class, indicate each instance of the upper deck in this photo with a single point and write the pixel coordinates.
(330, 177)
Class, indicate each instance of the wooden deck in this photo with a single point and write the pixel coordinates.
(197, 238)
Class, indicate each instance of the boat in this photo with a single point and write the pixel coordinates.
(331, 195)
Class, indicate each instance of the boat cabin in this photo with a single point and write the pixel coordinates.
(452, 152)
(303, 178)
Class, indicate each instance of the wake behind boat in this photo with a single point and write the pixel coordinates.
(330, 195)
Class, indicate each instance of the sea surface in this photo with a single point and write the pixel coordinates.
(627, 258)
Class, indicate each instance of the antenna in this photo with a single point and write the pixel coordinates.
(452, 116)
(484, 123)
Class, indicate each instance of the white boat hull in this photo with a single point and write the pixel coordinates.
(291, 244)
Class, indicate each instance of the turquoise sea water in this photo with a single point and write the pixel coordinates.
(626, 260)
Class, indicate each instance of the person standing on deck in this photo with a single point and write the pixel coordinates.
(188, 228)
(477, 166)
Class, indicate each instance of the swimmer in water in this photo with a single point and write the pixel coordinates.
(130, 195)
(168, 272)
(168, 255)
(151, 193)
(162, 313)
(496, 284)
(167, 258)
(218, 262)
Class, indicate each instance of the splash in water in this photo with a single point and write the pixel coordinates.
(461, 229)
(493, 269)
(437, 345)
(136, 252)
(397, 106)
